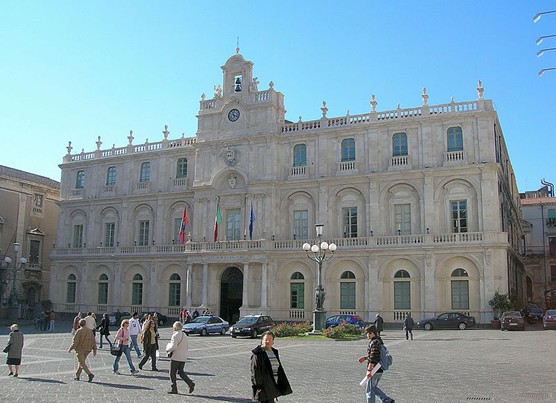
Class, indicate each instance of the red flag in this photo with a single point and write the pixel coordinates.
(217, 220)
(184, 223)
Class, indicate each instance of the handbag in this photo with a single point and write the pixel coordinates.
(116, 349)
(7, 348)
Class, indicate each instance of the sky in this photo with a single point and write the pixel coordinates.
(73, 71)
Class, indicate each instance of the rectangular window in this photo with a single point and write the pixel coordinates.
(300, 223)
(77, 236)
(402, 295)
(35, 252)
(233, 225)
(144, 233)
(297, 296)
(460, 295)
(552, 246)
(111, 176)
(348, 150)
(70, 295)
(102, 293)
(80, 180)
(349, 222)
(145, 175)
(347, 295)
(299, 155)
(109, 231)
(455, 139)
(174, 297)
(181, 168)
(459, 216)
(402, 219)
(137, 294)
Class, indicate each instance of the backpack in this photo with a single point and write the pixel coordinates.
(385, 357)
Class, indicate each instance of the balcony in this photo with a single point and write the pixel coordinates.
(223, 250)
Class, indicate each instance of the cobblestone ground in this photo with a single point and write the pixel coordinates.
(437, 366)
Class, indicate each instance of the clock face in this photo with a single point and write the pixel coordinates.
(233, 115)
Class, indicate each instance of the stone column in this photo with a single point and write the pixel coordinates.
(264, 285)
(245, 301)
(204, 300)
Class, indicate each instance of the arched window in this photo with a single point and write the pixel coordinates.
(297, 291)
(460, 290)
(111, 176)
(71, 288)
(80, 180)
(402, 290)
(175, 290)
(145, 175)
(137, 290)
(103, 289)
(300, 155)
(399, 144)
(454, 138)
(181, 168)
(348, 150)
(347, 290)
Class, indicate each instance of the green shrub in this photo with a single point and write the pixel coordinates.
(342, 331)
(291, 329)
(303, 327)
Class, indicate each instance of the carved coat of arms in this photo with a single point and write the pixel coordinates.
(230, 155)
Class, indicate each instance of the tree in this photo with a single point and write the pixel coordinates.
(499, 303)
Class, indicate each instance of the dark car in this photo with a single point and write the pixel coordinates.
(534, 315)
(448, 320)
(512, 320)
(113, 317)
(161, 319)
(206, 324)
(333, 321)
(549, 319)
(252, 326)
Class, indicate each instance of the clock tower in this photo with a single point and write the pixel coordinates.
(239, 107)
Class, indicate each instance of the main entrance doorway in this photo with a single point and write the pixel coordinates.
(231, 294)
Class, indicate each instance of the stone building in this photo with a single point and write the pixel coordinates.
(539, 215)
(28, 221)
(421, 202)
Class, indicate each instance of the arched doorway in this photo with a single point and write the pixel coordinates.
(231, 293)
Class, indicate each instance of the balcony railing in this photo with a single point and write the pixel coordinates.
(378, 243)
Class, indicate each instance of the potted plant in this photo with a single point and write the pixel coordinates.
(499, 303)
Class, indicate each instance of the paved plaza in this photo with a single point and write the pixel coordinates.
(437, 366)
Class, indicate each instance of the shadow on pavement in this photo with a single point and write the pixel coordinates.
(30, 379)
(222, 398)
(121, 386)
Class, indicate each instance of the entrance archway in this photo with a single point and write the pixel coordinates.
(231, 294)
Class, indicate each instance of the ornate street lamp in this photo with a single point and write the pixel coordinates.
(319, 253)
(6, 264)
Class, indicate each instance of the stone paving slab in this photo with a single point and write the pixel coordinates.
(437, 366)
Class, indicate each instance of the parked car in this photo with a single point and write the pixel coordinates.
(534, 315)
(112, 317)
(549, 319)
(162, 319)
(512, 320)
(252, 325)
(206, 324)
(335, 320)
(448, 320)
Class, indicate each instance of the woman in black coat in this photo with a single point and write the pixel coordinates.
(104, 329)
(267, 375)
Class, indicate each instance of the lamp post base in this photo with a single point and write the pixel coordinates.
(319, 318)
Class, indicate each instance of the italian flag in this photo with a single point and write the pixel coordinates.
(217, 220)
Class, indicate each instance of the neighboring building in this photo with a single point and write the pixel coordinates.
(539, 213)
(421, 202)
(29, 217)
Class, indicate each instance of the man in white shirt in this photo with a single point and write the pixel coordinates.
(134, 330)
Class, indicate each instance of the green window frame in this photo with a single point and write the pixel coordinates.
(301, 224)
(349, 222)
(297, 291)
(300, 155)
(145, 175)
(233, 225)
(454, 138)
(71, 287)
(137, 290)
(111, 176)
(77, 236)
(80, 179)
(144, 226)
(347, 290)
(399, 144)
(459, 215)
(348, 150)
(181, 168)
(103, 289)
(174, 297)
(460, 290)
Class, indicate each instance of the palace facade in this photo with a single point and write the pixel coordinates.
(421, 202)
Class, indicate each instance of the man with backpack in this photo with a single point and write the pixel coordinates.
(377, 353)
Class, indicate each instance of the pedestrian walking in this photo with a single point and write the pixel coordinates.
(14, 350)
(408, 325)
(149, 339)
(134, 330)
(104, 330)
(177, 351)
(83, 343)
(91, 322)
(52, 317)
(195, 313)
(75, 324)
(373, 358)
(268, 377)
(123, 338)
(379, 324)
